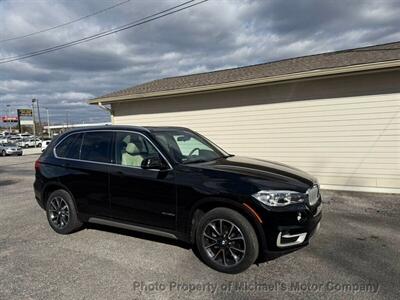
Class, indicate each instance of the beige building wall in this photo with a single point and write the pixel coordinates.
(343, 130)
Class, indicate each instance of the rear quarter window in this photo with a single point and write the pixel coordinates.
(70, 147)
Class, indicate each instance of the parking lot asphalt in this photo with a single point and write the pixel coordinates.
(354, 255)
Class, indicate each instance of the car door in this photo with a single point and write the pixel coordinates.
(85, 157)
(142, 196)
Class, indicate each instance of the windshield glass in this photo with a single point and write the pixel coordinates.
(9, 145)
(187, 147)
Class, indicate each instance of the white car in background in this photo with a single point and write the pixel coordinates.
(45, 144)
(10, 149)
(30, 143)
(25, 135)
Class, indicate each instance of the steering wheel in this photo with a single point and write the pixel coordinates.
(191, 152)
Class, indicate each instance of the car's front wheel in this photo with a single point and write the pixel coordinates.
(61, 212)
(3, 153)
(226, 241)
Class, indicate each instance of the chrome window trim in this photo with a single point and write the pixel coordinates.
(112, 164)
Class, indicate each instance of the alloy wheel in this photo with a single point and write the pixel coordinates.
(224, 242)
(59, 212)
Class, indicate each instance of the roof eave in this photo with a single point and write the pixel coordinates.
(250, 82)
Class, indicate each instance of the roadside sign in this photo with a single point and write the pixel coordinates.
(7, 119)
(26, 122)
(24, 112)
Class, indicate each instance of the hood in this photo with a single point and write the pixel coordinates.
(262, 169)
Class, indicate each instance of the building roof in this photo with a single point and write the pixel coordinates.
(343, 61)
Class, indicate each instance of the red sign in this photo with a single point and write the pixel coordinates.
(9, 119)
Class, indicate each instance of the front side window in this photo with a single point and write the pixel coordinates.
(187, 147)
(132, 148)
(70, 147)
(96, 146)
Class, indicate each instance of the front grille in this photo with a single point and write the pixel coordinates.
(313, 195)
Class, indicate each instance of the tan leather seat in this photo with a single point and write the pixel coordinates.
(131, 156)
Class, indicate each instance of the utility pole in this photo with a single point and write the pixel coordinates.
(34, 121)
(8, 116)
(39, 119)
(48, 123)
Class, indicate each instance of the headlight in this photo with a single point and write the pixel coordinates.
(279, 198)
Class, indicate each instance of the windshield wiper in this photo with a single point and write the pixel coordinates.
(229, 155)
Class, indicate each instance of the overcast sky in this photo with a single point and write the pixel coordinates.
(217, 34)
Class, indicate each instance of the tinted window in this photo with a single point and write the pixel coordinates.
(132, 148)
(70, 147)
(96, 146)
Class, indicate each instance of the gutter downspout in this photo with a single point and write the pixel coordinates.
(107, 109)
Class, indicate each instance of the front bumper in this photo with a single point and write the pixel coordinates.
(13, 152)
(291, 227)
(297, 236)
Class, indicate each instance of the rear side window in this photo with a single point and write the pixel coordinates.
(96, 146)
(70, 146)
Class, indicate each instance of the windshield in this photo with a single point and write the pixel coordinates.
(9, 145)
(187, 147)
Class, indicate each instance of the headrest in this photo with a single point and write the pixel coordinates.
(132, 149)
(127, 139)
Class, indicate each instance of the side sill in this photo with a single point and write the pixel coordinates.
(132, 227)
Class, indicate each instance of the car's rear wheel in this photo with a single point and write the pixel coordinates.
(226, 241)
(61, 212)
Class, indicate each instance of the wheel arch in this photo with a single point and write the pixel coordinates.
(51, 187)
(210, 203)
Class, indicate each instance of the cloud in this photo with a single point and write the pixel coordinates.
(217, 34)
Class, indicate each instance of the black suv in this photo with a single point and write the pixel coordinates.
(175, 183)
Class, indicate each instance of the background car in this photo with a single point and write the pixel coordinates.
(45, 144)
(10, 149)
(26, 143)
(25, 135)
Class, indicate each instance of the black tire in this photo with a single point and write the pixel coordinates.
(26, 146)
(3, 153)
(225, 256)
(72, 223)
(39, 145)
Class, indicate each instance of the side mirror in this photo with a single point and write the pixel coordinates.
(152, 163)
